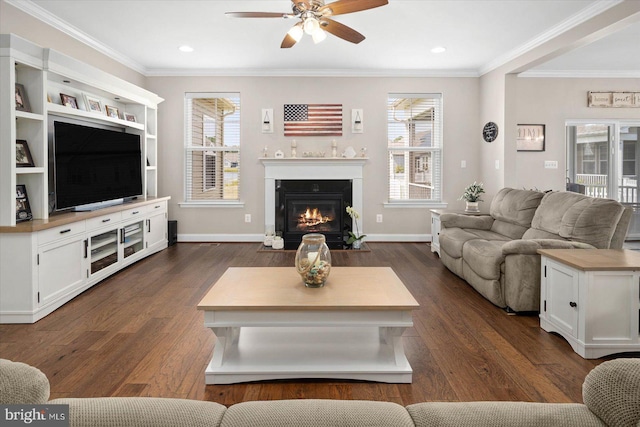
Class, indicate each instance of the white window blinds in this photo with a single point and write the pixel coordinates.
(414, 141)
(212, 147)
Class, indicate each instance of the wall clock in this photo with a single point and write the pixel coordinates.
(490, 132)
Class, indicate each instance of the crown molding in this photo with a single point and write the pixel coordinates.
(30, 8)
(582, 74)
(592, 11)
(222, 72)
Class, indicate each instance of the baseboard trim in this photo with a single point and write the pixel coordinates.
(193, 238)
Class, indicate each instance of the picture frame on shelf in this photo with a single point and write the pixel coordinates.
(23, 208)
(69, 101)
(531, 138)
(112, 112)
(129, 117)
(93, 104)
(23, 154)
(22, 102)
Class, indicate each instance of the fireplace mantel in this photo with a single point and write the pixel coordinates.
(312, 168)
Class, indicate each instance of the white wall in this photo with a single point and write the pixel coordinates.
(461, 132)
(553, 101)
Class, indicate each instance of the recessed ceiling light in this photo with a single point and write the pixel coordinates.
(186, 48)
(438, 49)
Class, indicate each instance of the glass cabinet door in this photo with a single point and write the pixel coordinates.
(132, 238)
(104, 250)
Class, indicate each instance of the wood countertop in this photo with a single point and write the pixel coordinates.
(70, 217)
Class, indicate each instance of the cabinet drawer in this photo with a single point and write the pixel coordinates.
(103, 220)
(157, 207)
(134, 212)
(60, 232)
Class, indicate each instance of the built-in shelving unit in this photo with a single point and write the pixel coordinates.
(50, 259)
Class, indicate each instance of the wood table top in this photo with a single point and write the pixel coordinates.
(595, 259)
(281, 288)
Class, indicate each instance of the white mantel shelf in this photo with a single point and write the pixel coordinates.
(312, 168)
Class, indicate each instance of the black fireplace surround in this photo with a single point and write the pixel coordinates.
(313, 206)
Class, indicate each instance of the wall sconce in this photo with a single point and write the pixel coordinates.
(356, 121)
(267, 120)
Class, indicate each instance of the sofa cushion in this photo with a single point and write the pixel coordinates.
(515, 206)
(484, 257)
(316, 413)
(495, 414)
(452, 240)
(577, 217)
(508, 230)
(611, 391)
(142, 412)
(22, 384)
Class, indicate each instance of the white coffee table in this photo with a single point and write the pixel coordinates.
(270, 326)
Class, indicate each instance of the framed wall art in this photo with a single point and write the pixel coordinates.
(531, 138)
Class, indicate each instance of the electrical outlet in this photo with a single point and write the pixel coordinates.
(379, 218)
(497, 164)
(247, 217)
(551, 164)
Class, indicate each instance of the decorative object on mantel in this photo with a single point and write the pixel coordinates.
(363, 152)
(314, 154)
(349, 153)
(334, 148)
(530, 138)
(313, 120)
(265, 151)
(267, 120)
(278, 154)
(472, 196)
(356, 121)
(313, 260)
(355, 240)
(613, 99)
(294, 146)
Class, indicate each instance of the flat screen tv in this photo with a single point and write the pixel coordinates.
(93, 165)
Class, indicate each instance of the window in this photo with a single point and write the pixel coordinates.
(212, 147)
(414, 143)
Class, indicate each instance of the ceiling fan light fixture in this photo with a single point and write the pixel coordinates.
(318, 35)
(311, 25)
(296, 32)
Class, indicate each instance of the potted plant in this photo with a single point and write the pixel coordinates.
(471, 195)
(355, 240)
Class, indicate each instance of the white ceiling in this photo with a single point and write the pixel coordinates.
(479, 35)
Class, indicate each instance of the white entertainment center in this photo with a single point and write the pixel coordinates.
(49, 260)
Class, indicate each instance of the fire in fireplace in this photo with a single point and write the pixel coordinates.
(313, 206)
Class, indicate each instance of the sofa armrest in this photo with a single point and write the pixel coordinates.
(479, 222)
(22, 384)
(531, 246)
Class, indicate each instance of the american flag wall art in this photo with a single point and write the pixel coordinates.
(313, 120)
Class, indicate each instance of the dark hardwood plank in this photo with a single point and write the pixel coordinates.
(138, 333)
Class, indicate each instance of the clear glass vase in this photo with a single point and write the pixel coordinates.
(313, 260)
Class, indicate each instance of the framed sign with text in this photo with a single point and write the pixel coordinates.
(530, 138)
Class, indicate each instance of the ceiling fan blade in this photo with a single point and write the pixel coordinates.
(341, 30)
(288, 42)
(341, 7)
(259, 15)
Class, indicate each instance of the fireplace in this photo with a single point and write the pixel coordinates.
(313, 206)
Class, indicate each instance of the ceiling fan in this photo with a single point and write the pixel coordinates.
(315, 19)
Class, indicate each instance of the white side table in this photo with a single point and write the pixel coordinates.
(591, 297)
(435, 225)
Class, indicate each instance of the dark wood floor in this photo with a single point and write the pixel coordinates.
(139, 333)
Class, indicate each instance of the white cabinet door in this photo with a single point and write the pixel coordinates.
(156, 231)
(562, 297)
(61, 268)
